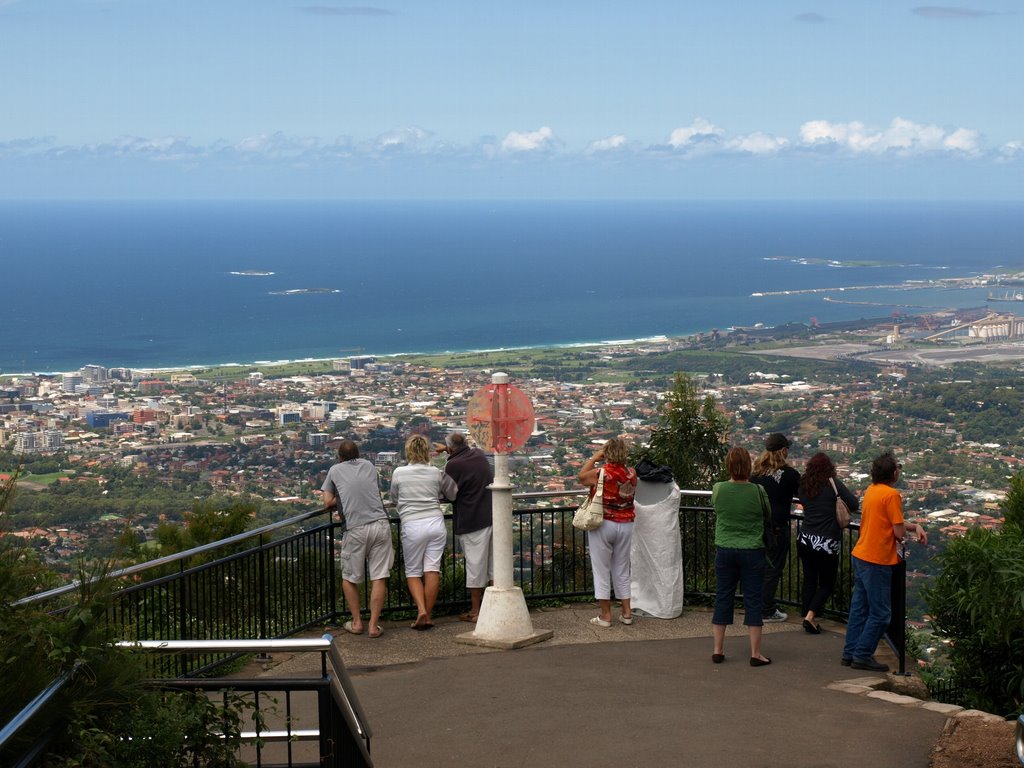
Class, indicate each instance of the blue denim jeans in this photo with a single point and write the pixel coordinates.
(745, 568)
(870, 608)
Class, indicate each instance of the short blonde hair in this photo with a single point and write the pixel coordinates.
(417, 450)
(616, 451)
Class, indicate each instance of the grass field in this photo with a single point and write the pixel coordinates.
(48, 479)
(512, 360)
(559, 363)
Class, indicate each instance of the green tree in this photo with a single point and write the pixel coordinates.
(977, 601)
(690, 438)
(1013, 506)
(96, 718)
(209, 521)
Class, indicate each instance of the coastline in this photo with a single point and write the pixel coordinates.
(960, 284)
(689, 268)
(190, 367)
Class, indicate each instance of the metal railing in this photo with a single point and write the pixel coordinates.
(341, 736)
(179, 559)
(33, 708)
(946, 691)
(281, 579)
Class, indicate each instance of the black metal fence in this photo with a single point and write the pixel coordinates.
(947, 692)
(282, 579)
(275, 588)
(298, 722)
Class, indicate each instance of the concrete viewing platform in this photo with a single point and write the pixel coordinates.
(645, 694)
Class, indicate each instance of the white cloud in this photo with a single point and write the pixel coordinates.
(850, 134)
(529, 141)
(1011, 150)
(845, 141)
(964, 140)
(253, 143)
(276, 144)
(26, 146)
(757, 143)
(699, 130)
(705, 138)
(604, 145)
(403, 138)
(159, 148)
(902, 136)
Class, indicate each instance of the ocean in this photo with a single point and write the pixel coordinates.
(169, 284)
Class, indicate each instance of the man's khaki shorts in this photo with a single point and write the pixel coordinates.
(368, 545)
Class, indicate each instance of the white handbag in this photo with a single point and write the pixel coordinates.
(590, 514)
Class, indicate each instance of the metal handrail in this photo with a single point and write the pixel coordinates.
(1020, 739)
(271, 527)
(342, 691)
(697, 502)
(33, 707)
(174, 558)
(255, 532)
(300, 645)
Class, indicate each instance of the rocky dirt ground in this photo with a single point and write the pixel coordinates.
(967, 742)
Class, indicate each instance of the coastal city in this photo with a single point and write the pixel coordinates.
(498, 384)
(100, 451)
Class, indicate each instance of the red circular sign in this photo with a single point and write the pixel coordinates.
(500, 417)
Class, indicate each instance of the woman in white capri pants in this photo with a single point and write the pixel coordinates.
(609, 544)
(416, 490)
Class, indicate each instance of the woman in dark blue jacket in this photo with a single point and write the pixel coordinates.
(821, 539)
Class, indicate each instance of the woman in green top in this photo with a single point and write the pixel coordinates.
(739, 558)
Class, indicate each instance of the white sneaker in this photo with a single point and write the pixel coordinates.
(775, 617)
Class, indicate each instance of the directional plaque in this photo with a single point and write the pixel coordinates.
(500, 417)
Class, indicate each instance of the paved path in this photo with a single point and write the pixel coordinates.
(641, 695)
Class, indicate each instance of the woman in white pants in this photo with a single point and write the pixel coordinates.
(609, 544)
(416, 490)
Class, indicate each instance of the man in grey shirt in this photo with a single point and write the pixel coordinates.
(354, 486)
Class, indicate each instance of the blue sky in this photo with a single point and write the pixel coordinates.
(559, 99)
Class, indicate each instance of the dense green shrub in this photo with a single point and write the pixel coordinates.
(977, 601)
